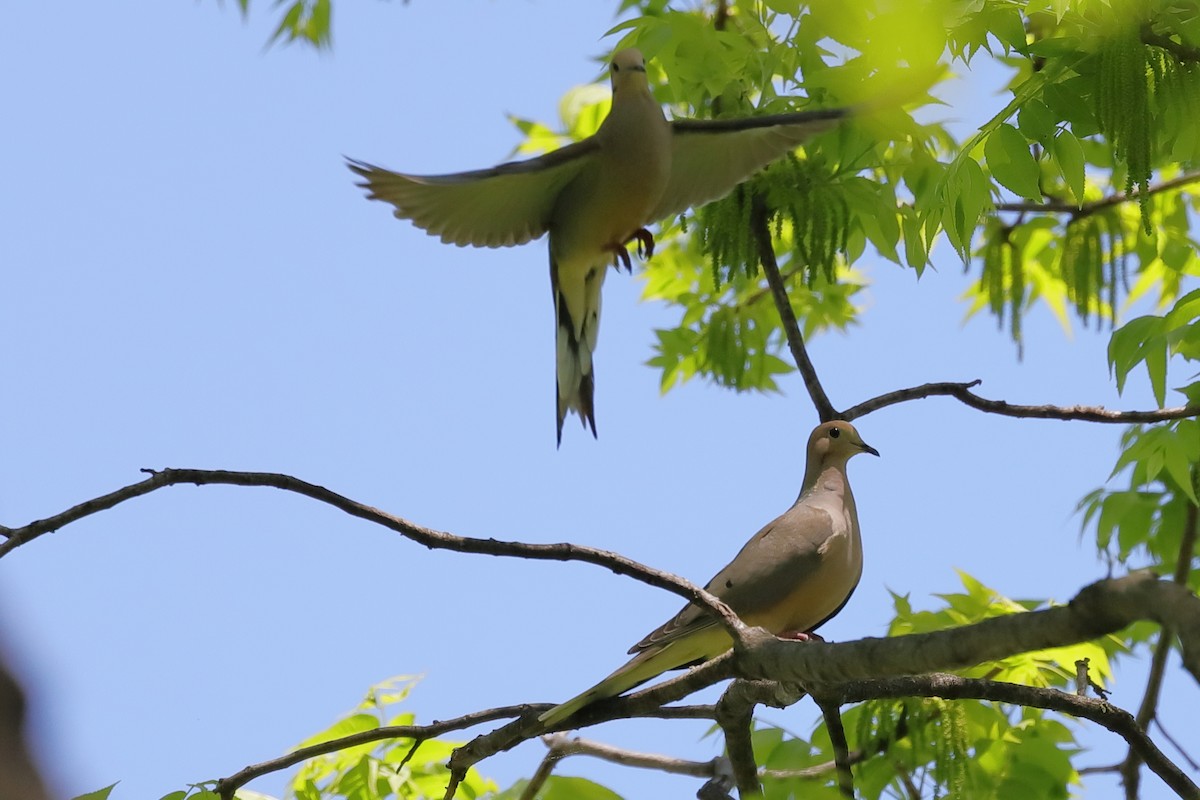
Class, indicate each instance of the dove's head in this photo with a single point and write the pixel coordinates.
(628, 67)
(834, 443)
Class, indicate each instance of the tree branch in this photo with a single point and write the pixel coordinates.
(831, 710)
(577, 746)
(560, 746)
(1177, 49)
(226, 787)
(962, 392)
(766, 255)
(953, 687)
(1130, 768)
(1101, 608)
(645, 703)
(1087, 209)
(735, 715)
(433, 539)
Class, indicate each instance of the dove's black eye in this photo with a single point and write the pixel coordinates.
(835, 433)
(616, 67)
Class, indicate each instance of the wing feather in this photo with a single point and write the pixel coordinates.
(506, 205)
(780, 556)
(711, 157)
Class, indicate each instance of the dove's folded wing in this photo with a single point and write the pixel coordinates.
(506, 205)
(781, 556)
(710, 157)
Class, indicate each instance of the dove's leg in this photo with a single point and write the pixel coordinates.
(800, 636)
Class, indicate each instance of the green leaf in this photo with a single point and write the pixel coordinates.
(1069, 155)
(102, 794)
(561, 787)
(1179, 467)
(915, 252)
(1011, 163)
(1036, 121)
(1139, 340)
(355, 723)
(967, 193)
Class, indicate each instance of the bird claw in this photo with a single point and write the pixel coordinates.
(645, 243)
(621, 258)
(801, 636)
(645, 249)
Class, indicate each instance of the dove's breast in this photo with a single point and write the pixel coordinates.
(614, 196)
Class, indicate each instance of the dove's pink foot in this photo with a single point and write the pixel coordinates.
(800, 636)
(645, 242)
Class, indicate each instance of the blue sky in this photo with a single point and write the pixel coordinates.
(192, 280)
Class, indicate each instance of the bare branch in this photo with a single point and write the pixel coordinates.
(1087, 209)
(963, 393)
(645, 703)
(832, 712)
(540, 775)
(433, 539)
(563, 746)
(1100, 770)
(735, 715)
(1191, 762)
(1131, 766)
(766, 256)
(419, 733)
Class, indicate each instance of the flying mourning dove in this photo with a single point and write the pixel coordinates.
(792, 577)
(594, 197)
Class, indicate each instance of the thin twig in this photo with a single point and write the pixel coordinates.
(735, 715)
(1131, 767)
(1087, 209)
(1100, 770)
(227, 786)
(563, 551)
(858, 756)
(832, 712)
(1180, 51)
(1178, 748)
(766, 256)
(953, 687)
(565, 746)
(540, 775)
(962, 392)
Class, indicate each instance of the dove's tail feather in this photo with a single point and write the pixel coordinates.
(576, 334)
(702, 645)
(574, 384)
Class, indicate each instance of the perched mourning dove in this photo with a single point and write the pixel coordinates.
(792, 577)
(594, 197)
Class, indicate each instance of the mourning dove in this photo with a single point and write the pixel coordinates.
(594, 197)
(792, 577)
